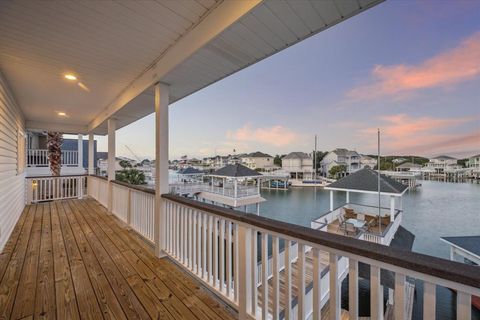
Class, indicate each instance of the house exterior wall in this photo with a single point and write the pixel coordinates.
(12, 162)
(297, 165)
(474, 162)
(331, 159)
(258, 162)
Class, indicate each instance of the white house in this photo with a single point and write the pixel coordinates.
(474, 161)
(257, 160)
(298, 164)
(367, 162)
(347, 158)
(441, 163)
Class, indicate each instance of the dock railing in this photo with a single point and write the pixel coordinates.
(218, 246)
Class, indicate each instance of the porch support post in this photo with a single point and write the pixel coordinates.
(80, 151)
(161, 163)
(331, 200)
(392, 208)
(112, 127)
(348, 197)
(91, 155)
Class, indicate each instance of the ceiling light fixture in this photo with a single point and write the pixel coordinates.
(70, 77)
(62, 114)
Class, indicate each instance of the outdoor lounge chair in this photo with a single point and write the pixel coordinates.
(350, 229)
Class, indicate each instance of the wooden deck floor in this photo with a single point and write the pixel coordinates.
(71, 260)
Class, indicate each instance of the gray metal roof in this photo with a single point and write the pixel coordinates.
(367, 180)
(236, 170)
(297, 155)
(345, 152)
(468, 243)
(445, 158)
(258, 154)
(189, 170)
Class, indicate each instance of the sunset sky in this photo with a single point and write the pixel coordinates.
(410, 68)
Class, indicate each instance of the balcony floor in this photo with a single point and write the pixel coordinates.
(70, 259)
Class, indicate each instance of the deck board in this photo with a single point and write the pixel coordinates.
(72, 260)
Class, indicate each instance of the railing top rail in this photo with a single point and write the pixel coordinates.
(417, 262)
(97, 176)
(135, 187)
(60, 176)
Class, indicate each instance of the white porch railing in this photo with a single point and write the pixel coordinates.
(54, 188)
(228, 190)
(132, 204)
(39, 158)
(218, 246)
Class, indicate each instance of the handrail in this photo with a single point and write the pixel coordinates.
(60, 176)
(134, 186)
(417, 262)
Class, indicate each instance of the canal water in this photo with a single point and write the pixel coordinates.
(436, 209)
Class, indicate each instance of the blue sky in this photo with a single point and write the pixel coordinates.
(411, 68)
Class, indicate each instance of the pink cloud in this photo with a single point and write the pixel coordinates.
(278, 136)
(425, 135)
(448, 68)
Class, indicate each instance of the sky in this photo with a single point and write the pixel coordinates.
(409, 68)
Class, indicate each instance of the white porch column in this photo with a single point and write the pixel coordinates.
(80, 151)
(348, 197)
(392, 208)
(91, 151)
(235, 187)
(161, 162)
(331, 200)
(112, 126)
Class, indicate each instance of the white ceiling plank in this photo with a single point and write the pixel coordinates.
(183, 10)
(347, 6)
(327, 10)
(252, 23)
(251, 37)
(264, 14)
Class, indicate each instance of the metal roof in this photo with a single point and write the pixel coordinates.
(367, 180)
(189, 170)
(258, 154)
(467, 243)
(297, 155)
(236, 171)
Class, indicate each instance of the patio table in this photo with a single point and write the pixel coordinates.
(356, 223)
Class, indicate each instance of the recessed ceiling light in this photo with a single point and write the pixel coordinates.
(70, 77)
(62, 114)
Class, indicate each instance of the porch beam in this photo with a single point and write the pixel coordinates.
(219, 19)
(161, 162)
(80, 151)
(52, 126)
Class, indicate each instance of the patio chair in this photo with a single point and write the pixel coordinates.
(341, 222)
(368, 225)
(350, 229)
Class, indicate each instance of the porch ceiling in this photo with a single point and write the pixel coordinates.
(118, 50)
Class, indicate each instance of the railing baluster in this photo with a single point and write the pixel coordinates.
(353, 289)
(245, 289)
(301, 282)
(464, 306)
(209, 243)
(376, 294)
(334, 287)
(222, 254)
(215, 252)
(229, 258)
(429, 300)
(399, 297)
(288, 281)
(204, 246)
(199, 243)
(264, 275)
(186, 235)
(236, 261)
(190, 239)
(317, 288)
(254, 271)
(275, 278)
(196, 217)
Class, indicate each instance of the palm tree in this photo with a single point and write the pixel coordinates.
(54, 146)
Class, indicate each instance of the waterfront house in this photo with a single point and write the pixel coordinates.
(341, 157)
(299, 165)
(367, 162)
(441, 163)
(92, 247)
(408, 166)
(474, 162)
(258, 160)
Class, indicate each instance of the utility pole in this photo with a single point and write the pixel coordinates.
(315, 161)
(378, 172)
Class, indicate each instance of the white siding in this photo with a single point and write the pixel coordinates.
(12, 155)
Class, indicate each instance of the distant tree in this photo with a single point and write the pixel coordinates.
(125, 164)
(277, 160)
(132, 176)
(462, 162)
(319, 157)
(335, 170)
